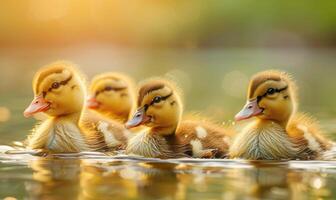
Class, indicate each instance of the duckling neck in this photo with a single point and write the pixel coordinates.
(122, 117)
(73, 117)
(164, 131)
(261, 122)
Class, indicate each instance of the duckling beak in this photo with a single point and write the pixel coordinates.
(92, 103)
(39, 104)
(138, 119)
(251, 109)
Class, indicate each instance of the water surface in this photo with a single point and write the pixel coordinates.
(122, 177)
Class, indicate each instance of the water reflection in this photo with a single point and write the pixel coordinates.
(130, 179)
(183, 181)
(135, 180)
(53, 179)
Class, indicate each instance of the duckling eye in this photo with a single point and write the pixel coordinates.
(55, 85)
(108, 88)
(157, 99)
(271, 91)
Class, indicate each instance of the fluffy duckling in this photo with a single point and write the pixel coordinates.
(59, 93)
(160, 110)
(112, 94)
(278, 131)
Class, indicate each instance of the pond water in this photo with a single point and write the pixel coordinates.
(121, 177)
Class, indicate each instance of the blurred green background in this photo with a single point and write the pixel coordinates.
(210, 48)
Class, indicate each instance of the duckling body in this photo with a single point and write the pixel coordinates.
(207, 139)
(151, 145)
(160, 110)
(69, 127)
(277, 131)
(58, 136)
(190, 140)
(102, 133)
(263, 141)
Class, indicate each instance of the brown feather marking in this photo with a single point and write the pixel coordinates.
(313, 128)
(262, 77)
(89, 124)
(215, 138)
(47, 70)
(179, 144)
(149, 87)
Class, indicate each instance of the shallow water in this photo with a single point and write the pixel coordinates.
(121, 177)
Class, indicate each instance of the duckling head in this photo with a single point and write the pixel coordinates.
(112, 94)
(58, 89)
(271, 96)
(159, 107)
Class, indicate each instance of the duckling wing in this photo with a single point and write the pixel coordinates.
(307, 135)
(102, 133)
(206, 139)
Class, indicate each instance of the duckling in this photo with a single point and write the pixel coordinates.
(112, 94)
(59, 91)
(277, 131)
(160, 110)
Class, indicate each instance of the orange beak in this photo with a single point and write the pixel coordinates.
(139, 118)
(92, 103)
(251, 109)
(39, 104)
